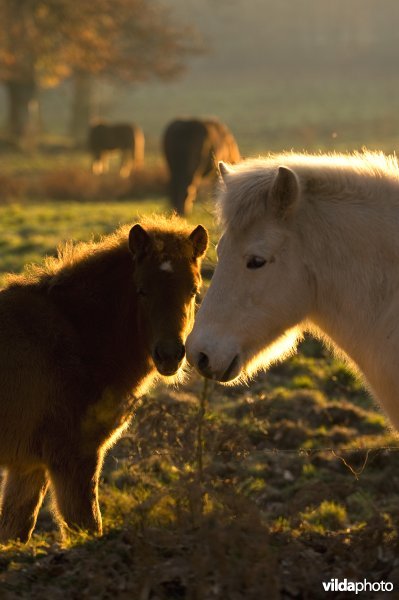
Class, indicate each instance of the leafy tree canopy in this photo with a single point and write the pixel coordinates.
(47, 40)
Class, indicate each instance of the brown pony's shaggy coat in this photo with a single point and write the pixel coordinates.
(81, 337)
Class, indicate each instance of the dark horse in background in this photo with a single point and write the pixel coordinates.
(125, 138)
(192, 149)
(82, 336)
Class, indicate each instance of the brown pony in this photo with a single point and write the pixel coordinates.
(82, 336)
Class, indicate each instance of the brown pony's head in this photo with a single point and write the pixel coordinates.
(167, 279)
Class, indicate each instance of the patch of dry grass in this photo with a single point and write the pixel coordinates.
(77, 183)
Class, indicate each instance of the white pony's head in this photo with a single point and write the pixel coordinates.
(261, 289)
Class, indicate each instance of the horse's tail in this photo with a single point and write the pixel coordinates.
(139, 145)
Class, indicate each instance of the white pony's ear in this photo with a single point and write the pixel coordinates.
(224, 170)
(284, 193)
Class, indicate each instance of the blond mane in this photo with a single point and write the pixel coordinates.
(321, 176)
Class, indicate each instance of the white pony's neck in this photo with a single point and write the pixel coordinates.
(352, 252)
(347, 224)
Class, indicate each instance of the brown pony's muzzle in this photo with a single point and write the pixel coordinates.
(168, 355)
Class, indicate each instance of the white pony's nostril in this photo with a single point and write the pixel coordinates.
(203, 361)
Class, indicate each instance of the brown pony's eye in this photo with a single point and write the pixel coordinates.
(141, 291)
(255, 262)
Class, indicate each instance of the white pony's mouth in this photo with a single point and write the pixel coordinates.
(233, 370)
(225, 375)
(247, 362)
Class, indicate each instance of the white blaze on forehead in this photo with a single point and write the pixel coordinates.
(166, 266)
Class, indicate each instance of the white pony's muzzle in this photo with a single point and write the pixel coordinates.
(219, 360)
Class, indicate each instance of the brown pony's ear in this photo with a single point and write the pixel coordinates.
(199, 240)
(139, 241)
(284, 193)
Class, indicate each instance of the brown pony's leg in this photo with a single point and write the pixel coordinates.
(23, 494)
(76, 495)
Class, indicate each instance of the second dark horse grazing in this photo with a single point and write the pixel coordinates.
(81, 337)
(193, 148)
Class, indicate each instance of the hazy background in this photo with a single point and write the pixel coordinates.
(288, 73)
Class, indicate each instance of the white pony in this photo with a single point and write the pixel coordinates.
(310, 243)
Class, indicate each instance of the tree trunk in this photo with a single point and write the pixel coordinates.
(82, 105)
(22, 111)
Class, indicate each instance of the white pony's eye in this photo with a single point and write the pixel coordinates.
(255, 262)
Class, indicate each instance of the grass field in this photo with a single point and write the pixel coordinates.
(255, 492)
(33, 230)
